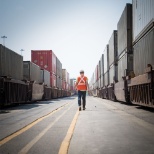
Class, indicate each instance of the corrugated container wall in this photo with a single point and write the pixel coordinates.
(53, 80)
(46, 59)
(11, 63)
(113, 74)
(96, 73)
(68, 78)
(113, 48)
(96, 85)
(63, 84)
(45, 77)
(58, 68)
(91, 84)
(99, 69)
(59, 83)
(99, 83)
(106, 79)
(143, 14)
(106, 59)
(72, 84)
(102, 65)
(102, 81)
(42, 76)
(144, 53)
(31, 72)
(125, 31)
(64, 74)
(125, 66)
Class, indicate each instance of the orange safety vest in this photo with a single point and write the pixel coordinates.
(81, 83)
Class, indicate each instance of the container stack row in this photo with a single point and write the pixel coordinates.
(59, 78)
(126, 68)
(38, 79)
(72, 86)
(65, 80)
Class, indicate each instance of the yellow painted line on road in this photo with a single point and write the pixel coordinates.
(10, 137)
(66, 142)
(39, 136)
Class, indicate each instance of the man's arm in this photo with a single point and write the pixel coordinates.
(87, 84)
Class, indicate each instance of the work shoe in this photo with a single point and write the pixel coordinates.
(80, 108)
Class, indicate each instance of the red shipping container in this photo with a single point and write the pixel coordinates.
(53, 80)
(46, 59)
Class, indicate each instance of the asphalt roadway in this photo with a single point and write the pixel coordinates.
(57, 127)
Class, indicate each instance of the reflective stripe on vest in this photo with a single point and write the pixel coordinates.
(82, 83)
(82, 79)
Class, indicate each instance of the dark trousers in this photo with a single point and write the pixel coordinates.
(82, 94)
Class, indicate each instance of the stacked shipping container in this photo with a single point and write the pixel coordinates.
(143, 34)
(124, 27)
(106, 66)
(72, 86)
(106, 72)
(46, 59)
(113, 74)
(59, 73)
(102, 71)
(66, 80)
(59, 79)
(31, 72)
(11, 63)
(143, 45)
(131, 61)
(113, 68)
(125, 57)
(45, 77)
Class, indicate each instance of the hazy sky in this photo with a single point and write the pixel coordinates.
(76, 30)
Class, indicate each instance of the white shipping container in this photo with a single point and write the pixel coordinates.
(113, 74)
(41, 76)
(99, 69)
(11, 63)
(102, 65)
(37, 92)
(144, 53)
(106, 79)
(124, 28)
(99, 83)
(113, 49)
(45, 77)
(125, 66)
(31, 72)
(72, 81)
(64, 75)
(102, 81)
(106, 59)
(143, 14)
(59, 82)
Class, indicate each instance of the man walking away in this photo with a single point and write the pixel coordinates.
(82, 86)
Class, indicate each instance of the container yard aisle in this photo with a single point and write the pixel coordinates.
(15, 118)
(43, 136)
(105, 127)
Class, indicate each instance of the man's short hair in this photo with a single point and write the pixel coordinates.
(81, 71)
